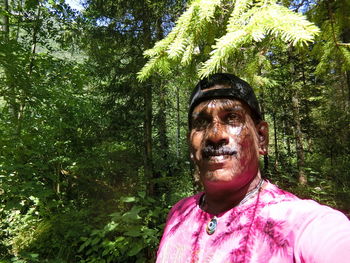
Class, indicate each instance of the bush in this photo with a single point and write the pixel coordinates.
(132, 236)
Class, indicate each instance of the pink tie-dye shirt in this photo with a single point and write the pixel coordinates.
(274, 226)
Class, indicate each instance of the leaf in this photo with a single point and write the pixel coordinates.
(129, 199)
(134, 231)
(135, 249)
(142, 194)
(95, 241)
(84, 245)
(133, 214)
(106, 251)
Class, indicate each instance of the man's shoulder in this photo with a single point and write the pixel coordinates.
(309, 226)
(272, 194)
(280, 203)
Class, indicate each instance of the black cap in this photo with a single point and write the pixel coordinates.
(236, 88)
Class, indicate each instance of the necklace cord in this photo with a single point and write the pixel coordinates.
(213, 223)
(245, 198)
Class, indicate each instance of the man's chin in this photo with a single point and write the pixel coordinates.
(215, 163)
(218, 175)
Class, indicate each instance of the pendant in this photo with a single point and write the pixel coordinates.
(211, 226)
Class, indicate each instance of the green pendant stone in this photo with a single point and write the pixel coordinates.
(211, 227)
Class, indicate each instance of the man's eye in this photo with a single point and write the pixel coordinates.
(233, 118)
(200, 123)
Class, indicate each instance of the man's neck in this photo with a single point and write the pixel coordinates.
(216, 202)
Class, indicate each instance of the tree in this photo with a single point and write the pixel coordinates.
(149, 20)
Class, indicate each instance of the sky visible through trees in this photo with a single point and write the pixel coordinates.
(75, 4)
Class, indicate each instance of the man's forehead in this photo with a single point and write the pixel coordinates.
(219, 104)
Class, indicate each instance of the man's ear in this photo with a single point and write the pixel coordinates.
(263, 137)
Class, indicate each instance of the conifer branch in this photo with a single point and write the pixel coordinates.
(343, 44)
(249, 22)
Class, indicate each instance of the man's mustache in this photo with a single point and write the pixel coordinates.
(211, 150)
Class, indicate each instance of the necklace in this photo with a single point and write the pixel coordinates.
(213, 223)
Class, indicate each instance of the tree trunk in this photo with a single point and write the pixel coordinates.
(345, 36)
(286, 137)
(347, 73)
(22, 93)
(147, 96)
(262, 108)
(36, 28)
(147, 126)
(299, 140)
(5, 21)
(275, 140)
(164, 144)
(296, 121)
(178, 124)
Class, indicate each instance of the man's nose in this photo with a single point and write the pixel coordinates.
(217, 135)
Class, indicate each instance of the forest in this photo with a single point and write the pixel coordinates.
(93, 123)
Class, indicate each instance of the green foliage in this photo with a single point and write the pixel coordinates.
(332, 44)
(129, 236)
(248, 23)
(31, 238)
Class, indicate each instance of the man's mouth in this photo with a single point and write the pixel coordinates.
(218, 154)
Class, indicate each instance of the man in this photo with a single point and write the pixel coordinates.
(240, 217)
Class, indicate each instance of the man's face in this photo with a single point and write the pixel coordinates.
(225, 142)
